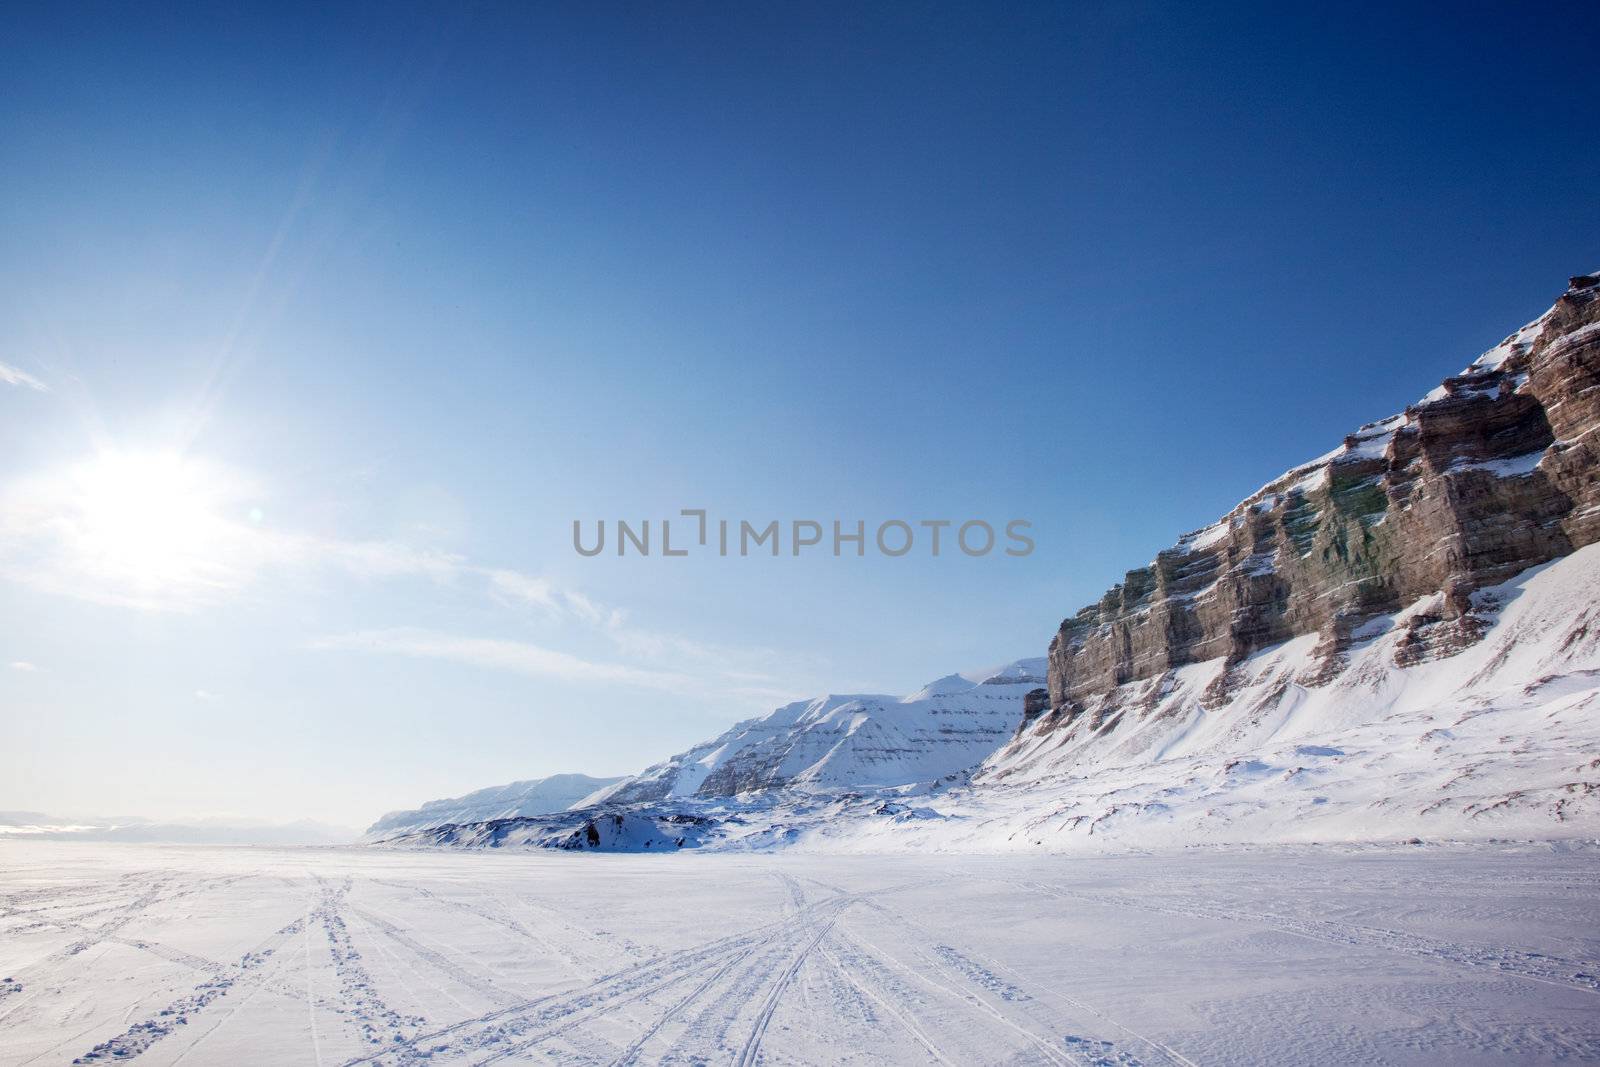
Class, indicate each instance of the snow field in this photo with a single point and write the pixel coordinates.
(1469, 955)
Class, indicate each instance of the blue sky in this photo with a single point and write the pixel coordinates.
(322, 327)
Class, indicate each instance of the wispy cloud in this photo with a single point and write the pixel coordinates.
(168, 534)
(514, 587)
(12, 376)
(23, 665)
(520, 657)
(206, 696)
(519, 589)
(698, 674)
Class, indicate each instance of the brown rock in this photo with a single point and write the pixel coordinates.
(1495, 472)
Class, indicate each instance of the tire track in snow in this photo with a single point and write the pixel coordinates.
(263, 982)
(137, 1039)
(752, 1045)
(484, 988)
(897, 1014)
(631, 1053)
(986, 978)
(504, 920)
(710, 1030)
(706, 1033)
(493, 1027)
(400, 965)
(1513, 963)
(519, 1028)
(954, 990)
(151, 893)
(746, 947)
(583, 962)
(373, 1018)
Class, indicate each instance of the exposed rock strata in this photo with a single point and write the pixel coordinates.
(1493, 472)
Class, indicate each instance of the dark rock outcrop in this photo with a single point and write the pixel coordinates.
(1493, 472)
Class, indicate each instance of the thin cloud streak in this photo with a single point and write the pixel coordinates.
(180, 544)
(13, 376)
(520, 657)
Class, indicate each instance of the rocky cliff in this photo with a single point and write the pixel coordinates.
(1492, 472)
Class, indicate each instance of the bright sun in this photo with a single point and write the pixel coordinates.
(151, 519)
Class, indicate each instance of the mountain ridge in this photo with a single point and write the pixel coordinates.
(533, 796)
(847, 741)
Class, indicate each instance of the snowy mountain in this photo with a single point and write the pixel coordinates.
(822, 747)
(1500, 739)
(1397, 639)
(536, 796)
(833, 743)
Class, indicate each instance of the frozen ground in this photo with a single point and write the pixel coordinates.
(1480, 955)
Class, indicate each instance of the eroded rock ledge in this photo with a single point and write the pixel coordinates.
(1492, 472)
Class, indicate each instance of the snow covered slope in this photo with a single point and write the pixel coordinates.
(1497, 740)
(833, 743)
(537, 796)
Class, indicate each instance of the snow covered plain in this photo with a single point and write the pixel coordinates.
(1470, 955)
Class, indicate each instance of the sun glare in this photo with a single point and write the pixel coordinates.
(150, 518)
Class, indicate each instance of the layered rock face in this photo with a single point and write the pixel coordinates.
(1493, 472)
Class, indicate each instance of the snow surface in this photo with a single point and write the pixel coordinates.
(1408, 955)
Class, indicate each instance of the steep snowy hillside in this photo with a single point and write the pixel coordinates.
(834, 743)
(1499, 741)
(537, 796)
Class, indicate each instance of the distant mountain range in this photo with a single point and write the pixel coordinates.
(39, 826)
(833, 743)
(1400, 638)
(805, 753)
(536, 796)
